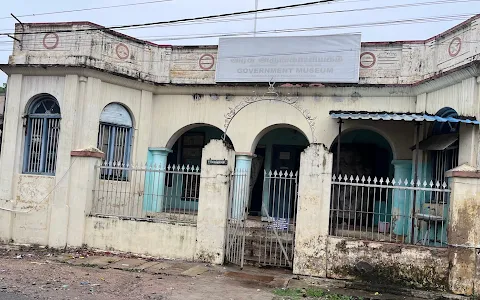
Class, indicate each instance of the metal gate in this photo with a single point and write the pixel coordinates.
(237, 215)
(277, 240)
(274, 240)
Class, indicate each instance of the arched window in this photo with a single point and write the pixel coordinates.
(115, 137)
(445, 158)
(43, 129)
(447, 127)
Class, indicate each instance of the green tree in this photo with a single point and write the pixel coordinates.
(3, 88)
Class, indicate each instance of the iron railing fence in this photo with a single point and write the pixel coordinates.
(390, 210)
(280, 208)
(237, 215)
(147, 192)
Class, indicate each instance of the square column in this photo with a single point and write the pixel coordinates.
(463, 230)
(81, 192)
(59, 210)
(468, 145)
(311, 232)
(401, 205)
(10, 159)
(241, 187)
(213, 203)
(154, 196)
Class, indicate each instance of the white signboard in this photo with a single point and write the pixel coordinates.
(328, 58)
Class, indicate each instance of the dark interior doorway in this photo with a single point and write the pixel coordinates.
(278, 150)
(364, 153)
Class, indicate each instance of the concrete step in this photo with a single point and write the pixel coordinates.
(269, 239)
(255, 250)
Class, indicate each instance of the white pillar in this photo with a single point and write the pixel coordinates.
(213, 203)
(81, 108)
(11, 146)
(241, 188)
(143, 128)
(468, 145)
(463, 228)
(80, 192)
(59, 212)
(90, 122)
(311, 230)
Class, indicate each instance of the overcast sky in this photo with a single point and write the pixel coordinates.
(321, 15)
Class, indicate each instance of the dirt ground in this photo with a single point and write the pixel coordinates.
(55, 280)
(28, 273)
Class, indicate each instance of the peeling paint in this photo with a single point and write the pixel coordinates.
(405, 62)
(390, 264)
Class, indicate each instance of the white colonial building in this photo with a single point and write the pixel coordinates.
(367, 159)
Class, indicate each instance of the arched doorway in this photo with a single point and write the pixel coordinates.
(182, 183)
(363, 152)
(272, 198)
(186, 148)
(367, 155)
(274, 171)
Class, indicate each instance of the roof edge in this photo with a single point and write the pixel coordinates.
(378, 43)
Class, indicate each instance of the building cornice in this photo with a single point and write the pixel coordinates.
(436, 82)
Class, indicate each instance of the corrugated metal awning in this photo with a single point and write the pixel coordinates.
(409, 117)
(437, 142)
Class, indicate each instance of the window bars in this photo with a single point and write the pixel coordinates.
(115, 142)
(280, 208)
(43, 130)
(151, 193)
(237, 215)
(382, 210)
(115, 139)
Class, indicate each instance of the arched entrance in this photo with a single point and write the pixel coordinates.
(271, 200)
(187, 144)
(363, 152)
(182, 182)
(274, 171)
(362, 156)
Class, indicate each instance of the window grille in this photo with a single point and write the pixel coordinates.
(43, 129)
(114, 139)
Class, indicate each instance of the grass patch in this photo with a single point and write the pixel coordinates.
(311, 293)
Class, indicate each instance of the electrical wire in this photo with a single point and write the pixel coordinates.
(306, 29)
(123, 5)
(318, 28)
(276, 8)
(294, 15)
(319, 13)
(209, 21)
(87, 9)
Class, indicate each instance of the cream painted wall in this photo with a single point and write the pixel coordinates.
(33, 198)
(160, 119)
(176, 112)
(137, 102)
(171, 241)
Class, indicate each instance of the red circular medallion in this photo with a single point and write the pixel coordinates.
(206, 62)
(122, 51)
(455, 47)
(367, 60)
(50, 40)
